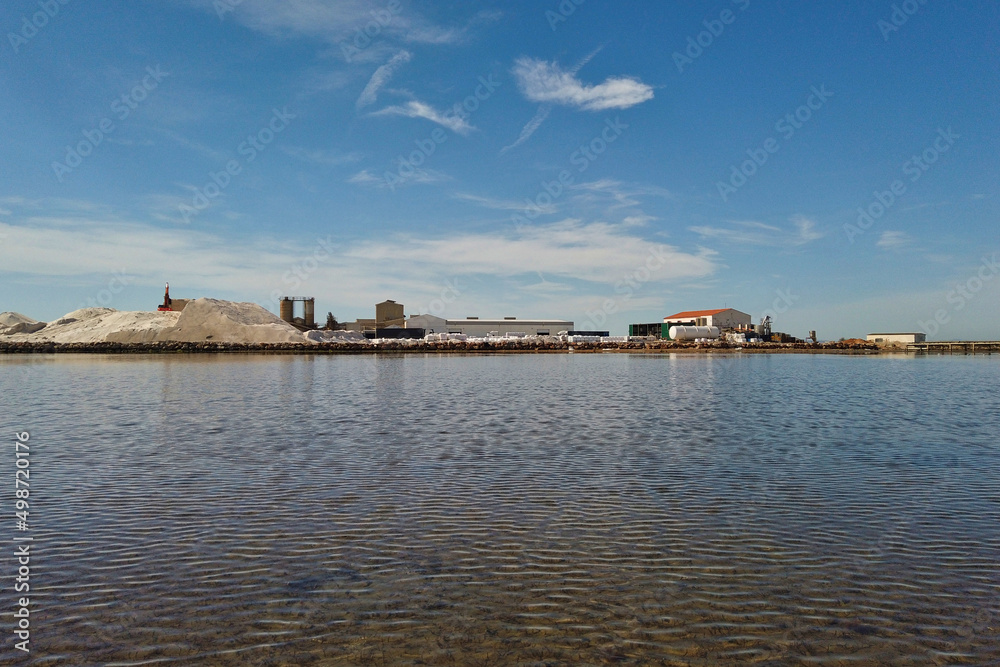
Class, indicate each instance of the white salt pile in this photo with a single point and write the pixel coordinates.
(15, 323)
(95, 325)
(9, 319)
(202, 320)
(323, 336)
(229, 322)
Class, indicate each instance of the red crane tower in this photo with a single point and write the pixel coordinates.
(166, 300)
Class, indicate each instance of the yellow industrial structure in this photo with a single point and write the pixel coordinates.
(387, 314)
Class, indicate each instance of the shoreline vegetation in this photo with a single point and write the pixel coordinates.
(419, 346)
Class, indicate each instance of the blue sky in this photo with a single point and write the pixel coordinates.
(580, 160)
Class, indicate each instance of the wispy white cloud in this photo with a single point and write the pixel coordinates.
(333, 21)
(891, 240)
(196, 146)
(616, 200)
(420, 31)
(761, 234)
(739, 235)
(318, 156)
(347, 24)
(586, 256)
(417, 109)
(365, 177)
(395, 179)
(505, 204)
(321, 81)
(620, 195)
(56, 206)
(592, 252)
(546, 82)
(381, 77)
(18, 201)
(807, 230)
(532, 125)
(118, 141)
(940, 258)
(164, 207)
(544, 286)
(544, 110)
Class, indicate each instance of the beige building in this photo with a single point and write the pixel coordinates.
(724, 318)
(890, 338)
(477, 328)
(360, 325)
(387, 312)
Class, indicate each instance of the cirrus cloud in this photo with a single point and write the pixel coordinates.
(381, 77)
(418, 109)
(545, 82)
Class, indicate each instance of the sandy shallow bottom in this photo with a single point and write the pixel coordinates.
(469, 510)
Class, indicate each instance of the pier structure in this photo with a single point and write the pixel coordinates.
(955, 346)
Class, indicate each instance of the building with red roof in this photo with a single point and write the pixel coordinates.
(724, 318)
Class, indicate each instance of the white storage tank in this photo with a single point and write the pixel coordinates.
(691, 333)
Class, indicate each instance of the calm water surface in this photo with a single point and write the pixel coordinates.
(515, 509)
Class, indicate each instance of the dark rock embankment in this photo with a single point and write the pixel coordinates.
(515, 345)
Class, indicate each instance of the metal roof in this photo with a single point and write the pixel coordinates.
(508, 321)
(696, 313)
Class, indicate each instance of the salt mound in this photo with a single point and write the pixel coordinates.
(87, 313)
(229, 322)
(322, 336)
(9, 319)
(202, 320)
(107, 325)
(22, 328)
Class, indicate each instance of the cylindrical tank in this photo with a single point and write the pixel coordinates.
(286, 309)
(310, 312)
(690, 333)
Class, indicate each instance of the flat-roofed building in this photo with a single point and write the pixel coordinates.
(360, 325)
(887, 338)
(654, 329)
(480, 328)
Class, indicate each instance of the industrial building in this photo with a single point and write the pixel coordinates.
(387, 314)
(886, 338)
(654, 329)
(723, 318)
(720, 318)
(286, 311)
(480, 328)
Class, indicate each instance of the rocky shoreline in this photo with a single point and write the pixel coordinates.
(512, 345)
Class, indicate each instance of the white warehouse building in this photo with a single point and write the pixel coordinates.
(907, 337)
(723, 318)
(477, 328)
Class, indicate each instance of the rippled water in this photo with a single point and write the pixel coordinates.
(510, 509)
